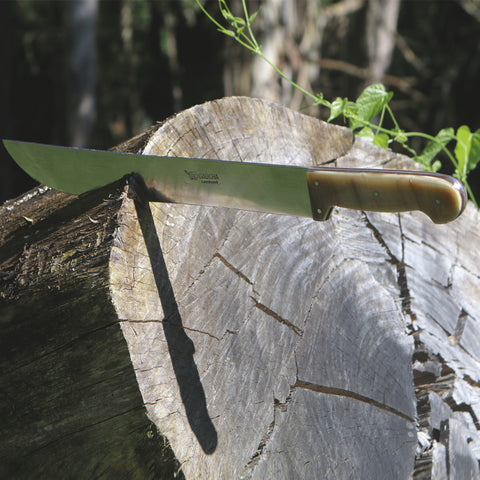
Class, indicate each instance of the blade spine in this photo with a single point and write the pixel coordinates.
(141, 155)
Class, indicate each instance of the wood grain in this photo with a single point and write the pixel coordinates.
(260, 346)
(275, 338)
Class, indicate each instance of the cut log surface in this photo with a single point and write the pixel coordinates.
(258, 345)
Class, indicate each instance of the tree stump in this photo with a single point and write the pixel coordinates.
(258, 345)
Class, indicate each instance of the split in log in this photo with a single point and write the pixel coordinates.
(258, 345)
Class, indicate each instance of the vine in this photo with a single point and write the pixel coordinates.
(372, 102)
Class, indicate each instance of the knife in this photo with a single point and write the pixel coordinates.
(283, 189)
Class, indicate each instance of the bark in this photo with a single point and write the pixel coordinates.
(69, 404)
(260, 346)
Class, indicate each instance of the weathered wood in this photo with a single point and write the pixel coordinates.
(263, 346)
(69, 401)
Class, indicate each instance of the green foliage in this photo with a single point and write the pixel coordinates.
(467, 150)
(433, 148)
(372, 103)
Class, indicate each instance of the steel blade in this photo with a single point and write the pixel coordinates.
(248, 186)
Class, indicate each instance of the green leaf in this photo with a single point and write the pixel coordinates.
(253, 16)
(239, 22)
(225, 11)
(226, 32)
(236, 22)
(350, 108)
(337, 108)
(381, 140)
(462, 149)
(474, 154)
(467, 150)
(366, 133)
(354, 123)
(372, 100)
(433, 148)
(342, 106)
(319, 100)
(399, 136)
(436, 165)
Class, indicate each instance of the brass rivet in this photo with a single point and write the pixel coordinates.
(317, 183)
(437, 201)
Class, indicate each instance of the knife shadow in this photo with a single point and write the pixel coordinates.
(180, 346)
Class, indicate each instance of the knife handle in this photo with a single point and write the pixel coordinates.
(441, 197)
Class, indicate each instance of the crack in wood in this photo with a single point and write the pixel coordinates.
(202, 332)
(445, 440)
(340, 392)
(457, 334)
(440, 380)
(255, 458)
(283, 406)
(471, 381)
(402, 281)
(234, 269)
(464, 408)
(277, 405)
(231, 267)
(145, 321)
(277, 317)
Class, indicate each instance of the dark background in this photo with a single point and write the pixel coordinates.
(153, 58)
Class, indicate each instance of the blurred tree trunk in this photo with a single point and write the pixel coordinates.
(381, 26)
(83, 70)
(291, 35)
(170, 20)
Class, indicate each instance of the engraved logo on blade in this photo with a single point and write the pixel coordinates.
(202, 177)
